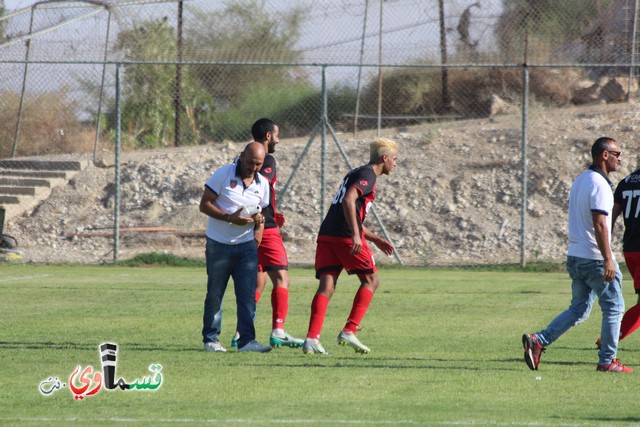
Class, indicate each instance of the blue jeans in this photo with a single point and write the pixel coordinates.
(241, 263)
(587, 277)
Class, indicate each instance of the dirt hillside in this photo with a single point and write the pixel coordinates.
(454, 197)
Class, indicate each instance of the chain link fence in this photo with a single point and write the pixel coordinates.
(494, 104)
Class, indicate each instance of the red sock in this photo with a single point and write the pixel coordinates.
(257, 296)
(359, 309)
(280, 306)
(318, 311)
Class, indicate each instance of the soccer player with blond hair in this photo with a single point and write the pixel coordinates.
(342, 244)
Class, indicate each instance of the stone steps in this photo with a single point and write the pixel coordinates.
(26, 182)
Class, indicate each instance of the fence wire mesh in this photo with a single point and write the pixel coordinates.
(444, 78)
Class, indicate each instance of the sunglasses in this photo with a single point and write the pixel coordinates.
(616, 154)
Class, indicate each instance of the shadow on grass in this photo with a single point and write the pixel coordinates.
(613, 420)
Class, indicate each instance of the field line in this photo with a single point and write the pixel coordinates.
(246, 421)
(14, 278)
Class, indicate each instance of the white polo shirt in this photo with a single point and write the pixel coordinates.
(227, 183)
(590, 192)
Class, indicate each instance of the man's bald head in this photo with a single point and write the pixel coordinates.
(254, 149)
(251, 159)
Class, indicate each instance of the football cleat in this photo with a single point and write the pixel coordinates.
(532, 350)
(614, 366)
(285, 340)
(312, 346)
(345, 338)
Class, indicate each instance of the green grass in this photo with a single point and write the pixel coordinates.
(445, 351)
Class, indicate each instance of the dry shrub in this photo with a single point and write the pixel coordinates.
(552, 86)
(402, 91)
(418, 91)
(48, 125)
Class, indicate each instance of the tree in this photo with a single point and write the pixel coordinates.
(148, 111)
(147, 104)
(549, 24)
(3, 11)
(244, 31)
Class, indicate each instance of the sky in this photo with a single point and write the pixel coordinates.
(17, 4)
(332, 31)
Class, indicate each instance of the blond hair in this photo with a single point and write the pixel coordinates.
(381, 146)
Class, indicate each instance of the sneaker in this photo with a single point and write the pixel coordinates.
(312, 346)
(614, 366)
(285, 340)
(345, 338)
(532, 350)
(256, 347)
(214, 346)
(234, 340)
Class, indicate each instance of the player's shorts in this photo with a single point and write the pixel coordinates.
(333, 254)
(271, 253)
(633, 264)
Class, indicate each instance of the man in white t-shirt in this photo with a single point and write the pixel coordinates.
(590, 262)
(234, 230)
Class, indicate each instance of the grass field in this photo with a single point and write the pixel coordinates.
(445, 346)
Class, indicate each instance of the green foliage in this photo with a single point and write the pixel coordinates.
(245, 30)
(296, 107)
(3, 11)
(213, 98)
(301, 117)
(235, 123)
(148, 107)
(402, 90)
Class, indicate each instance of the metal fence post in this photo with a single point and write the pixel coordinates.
(523, 210)
(116, 195)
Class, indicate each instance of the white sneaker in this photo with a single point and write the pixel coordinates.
(345, 338)
(214, 346)
(312, 346)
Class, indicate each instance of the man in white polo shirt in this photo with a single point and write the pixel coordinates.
(590, 262)
(234, 230)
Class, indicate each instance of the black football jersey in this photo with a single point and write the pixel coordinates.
(335, 223)
(627, 194)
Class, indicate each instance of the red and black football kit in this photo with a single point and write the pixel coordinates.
(335, 238)
(333, 250)
(627, 195)
(271, 252)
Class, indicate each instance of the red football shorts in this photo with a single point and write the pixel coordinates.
(271, 252)
(633, 264)
(332, 255)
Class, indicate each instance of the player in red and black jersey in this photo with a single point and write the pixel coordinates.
(626, 202)
(342, 244)
(272, 256)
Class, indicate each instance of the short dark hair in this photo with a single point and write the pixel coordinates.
(261, 127)
(601, 145)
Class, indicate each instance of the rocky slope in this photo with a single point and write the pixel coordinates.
(454, 198)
